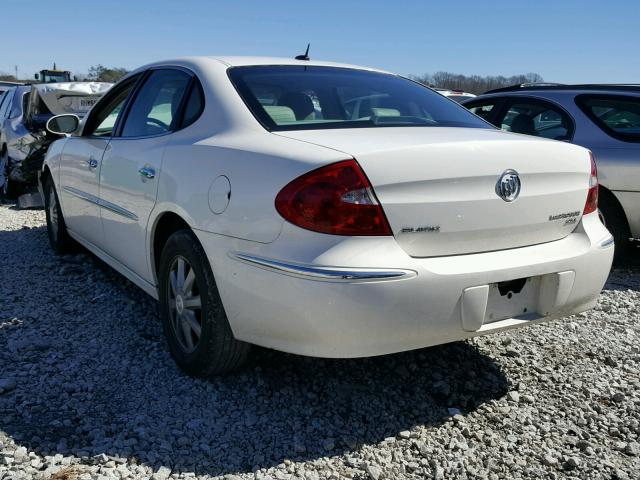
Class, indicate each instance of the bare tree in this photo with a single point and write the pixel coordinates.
(101, 73)
(7, 77)
(474, 83)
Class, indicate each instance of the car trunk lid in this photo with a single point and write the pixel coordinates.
(437, 185)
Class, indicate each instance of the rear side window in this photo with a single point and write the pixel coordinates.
(618, 116)
(483, 110)
(194, 106)
(537, 118)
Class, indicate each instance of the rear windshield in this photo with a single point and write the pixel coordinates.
(311, 97)
(618, 116)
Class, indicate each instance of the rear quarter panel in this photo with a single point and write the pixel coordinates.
(257, 164)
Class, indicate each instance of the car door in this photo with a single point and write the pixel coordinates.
(132, 164)
(81, 162)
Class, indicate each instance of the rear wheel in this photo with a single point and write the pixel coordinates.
(59, 237)
(614, 219)
(193, 317)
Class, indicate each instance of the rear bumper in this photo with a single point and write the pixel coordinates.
(328, 301)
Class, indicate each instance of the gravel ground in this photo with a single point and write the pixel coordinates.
(88, 391)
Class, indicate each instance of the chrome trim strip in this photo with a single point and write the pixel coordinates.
(112, 207)
(606, 243)
(323, 273)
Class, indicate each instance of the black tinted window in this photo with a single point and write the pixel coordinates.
(156, 107)
(194, 105)
(310, 97)
(618, 116)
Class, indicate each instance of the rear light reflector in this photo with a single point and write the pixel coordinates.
(336, 199)
(591, 204)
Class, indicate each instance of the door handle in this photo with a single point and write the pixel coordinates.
(92, 163)
(147, 172)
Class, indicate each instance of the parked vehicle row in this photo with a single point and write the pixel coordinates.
(321, 209)
(603, 118)
(24, 111)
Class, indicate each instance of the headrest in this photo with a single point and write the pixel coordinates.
(300, 103)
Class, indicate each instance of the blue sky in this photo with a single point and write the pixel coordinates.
(563, 40)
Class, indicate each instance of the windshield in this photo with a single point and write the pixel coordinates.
(310, 97)
(54, 77)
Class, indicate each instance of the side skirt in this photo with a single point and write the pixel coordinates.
(140, 282)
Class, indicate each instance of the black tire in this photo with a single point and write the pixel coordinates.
(615, 220)
(59, 238)
(213, 350)
(7, 190)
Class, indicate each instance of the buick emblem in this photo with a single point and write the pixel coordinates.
(508, 186)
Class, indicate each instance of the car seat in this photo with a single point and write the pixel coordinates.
(300, 103)
(523, 123)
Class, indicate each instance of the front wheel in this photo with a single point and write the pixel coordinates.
(193, 318)
(59, 238)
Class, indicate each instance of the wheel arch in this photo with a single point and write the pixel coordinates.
(604, 192)
(164, 225)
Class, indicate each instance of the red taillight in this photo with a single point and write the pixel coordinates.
(336, 199)
(591, 204)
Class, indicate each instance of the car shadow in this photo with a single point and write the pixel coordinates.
(93, 376)
(625, 275)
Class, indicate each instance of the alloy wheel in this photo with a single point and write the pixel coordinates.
(185, 305)
(53, 212)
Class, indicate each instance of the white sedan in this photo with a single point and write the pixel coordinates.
(257, 206)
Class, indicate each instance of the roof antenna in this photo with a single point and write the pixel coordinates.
(306, 54)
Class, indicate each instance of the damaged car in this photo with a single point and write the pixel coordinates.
(24, 111)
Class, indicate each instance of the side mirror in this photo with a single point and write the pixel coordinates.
(37, 76)
(63, 124)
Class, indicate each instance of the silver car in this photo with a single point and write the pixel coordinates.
(24, 111)
(603, 118)
(12, 132)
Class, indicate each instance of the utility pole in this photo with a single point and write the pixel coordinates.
(16, 69)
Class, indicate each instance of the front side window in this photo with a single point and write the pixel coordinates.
(311, 97)
(156, 108)
(103, 118)
(537, 118)
(618, 116)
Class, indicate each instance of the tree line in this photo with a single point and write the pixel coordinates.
(96, 73)
(476, 84)
(453, 81)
